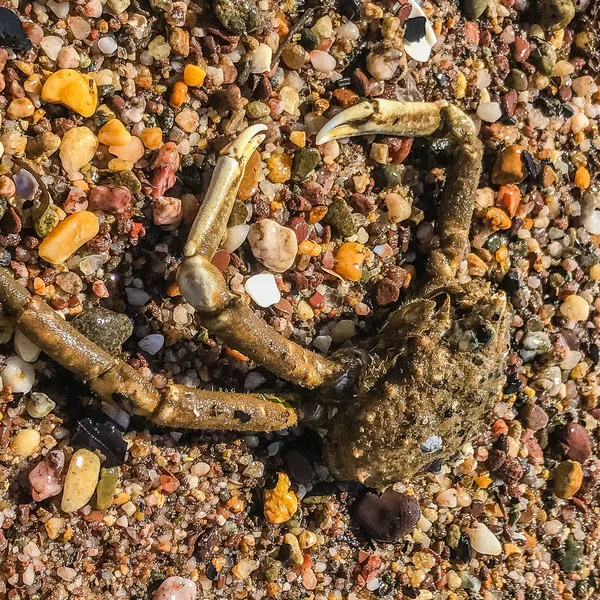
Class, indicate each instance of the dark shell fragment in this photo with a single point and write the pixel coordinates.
(414, 29)
(389, 517)
(12, 34)
(101, 434)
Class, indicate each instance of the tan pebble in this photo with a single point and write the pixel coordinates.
(152, 137)
(20, 108)
(498, 219)
(575, 307)
(54, 527)
(476, 266)
(350, 258)
(509, 167)
(77, 150)
(307, 539)
(130, 152)
(274, 245)
(305, 312)
(249, 183)
(296, 556)
(568, 477)
(114, 133)
(80, 482)
(26, 442)
(280, 168)
(595, 271)
(68, 236)
(280, 503)
(399, 208)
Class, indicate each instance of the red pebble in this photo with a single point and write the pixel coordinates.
(111, 199)
(472, 33)
(521, 50)
(317, 300)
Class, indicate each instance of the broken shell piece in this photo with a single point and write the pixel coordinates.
(263, 289)
(419, 37)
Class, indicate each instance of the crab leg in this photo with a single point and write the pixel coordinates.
(223, 313)
(426, 119)
(114, 381)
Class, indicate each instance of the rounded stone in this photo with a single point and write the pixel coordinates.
(106, 328)
(568, 477)
(555, 14)
(473, 9)
(239, 16)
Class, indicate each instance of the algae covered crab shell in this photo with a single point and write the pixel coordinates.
(388, 396)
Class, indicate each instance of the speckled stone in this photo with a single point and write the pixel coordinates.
(555, 14)
(239, 16)
(104, 327)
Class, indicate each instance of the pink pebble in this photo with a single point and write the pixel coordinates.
(110, 198)
(176, 588)
(322, 61)
(45, 478)
(76, 201)
(166, 210)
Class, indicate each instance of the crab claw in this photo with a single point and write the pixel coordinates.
(388, 117)
(210, 224)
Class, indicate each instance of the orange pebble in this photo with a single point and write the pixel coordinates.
(582, 178)
(499, 428)
(509, 198)
(179, 94)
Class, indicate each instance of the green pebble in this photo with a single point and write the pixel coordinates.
(571, 560)
(257, 110)
(239, 214)
(453, 536)
(127, 180)
(587, 41)
(339, 216)
(517, 80)
(3, 206)
(555, 14)
(305, 160)
(239, 16)
(473, 9)
(45, 223)
(106, 328)
(545, 58)
(105, 492)
(387, 176)
(309, 40)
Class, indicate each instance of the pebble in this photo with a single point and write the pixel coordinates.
(473, 9)
(25, 348)
(81, 480)
(575, 308)
(389, 517)
(105, 328)
(152, 343)
(244, 568)
(131, 152)
(343, 330)
(568, 477)
(260, 59)
(399, 209)
(273, 245)
(114, 133)
(236, 236)
(484, 541)
(107, 45)
(45, 479)
(77, 91)
(305, 161)
(239, 16)
(555, 14)
(26, 442)
(572, 552)
(51, 45)
(68, 236)
(509, 166)
(39, 405)
(107, 485)
(295, 553)
(577, 439)
(536, 418)
(263, 290)
(490, 112)
(350, 257)
(167, 210)
(322, 61)
(176, 588)
(112, 199)
(77, 149)
(18, 374)
(280, 503)
(194, 75)
(385, 62)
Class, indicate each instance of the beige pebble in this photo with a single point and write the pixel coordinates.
(274, 245)
(81, 480)
(399, 208)
(575, 307)
(26, 442)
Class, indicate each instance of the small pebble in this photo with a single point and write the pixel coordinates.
(25, 348)
(484, 541)
(106, 328)
(509, 166)
(75, 90)
(575, 308)
(263, 290)
(280, 503)
(45, 479)
(260, 59)
(176, 588)
(568, 477)
(107, 485)
(490, 112)
(39, 405)
(18, 374)
(273, 245)
(77, 149)
(152, 343)
(80, 481)
(555, 14)
(236, 236)
(350, 258)
(399, 209)
(26, 442)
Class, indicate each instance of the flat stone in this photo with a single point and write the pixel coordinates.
(81, 480)
(568, 477)
(106, 328)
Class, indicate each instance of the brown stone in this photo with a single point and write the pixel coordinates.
(249, 183)
(509, 166)
(180, 41)
(568, 477)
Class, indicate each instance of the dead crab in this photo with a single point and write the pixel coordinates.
(429, 377)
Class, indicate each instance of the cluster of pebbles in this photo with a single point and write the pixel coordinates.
(112, 115)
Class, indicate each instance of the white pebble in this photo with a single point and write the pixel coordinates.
(60, 9)
(398, 208)
(236, 236)
(347, 31)
(51, 45)
(321, 61)
(274, 245)
(25, 348)
(200, 469)
(18, 374)
(152, 343)
(107, 45)
(447, 498)
(489, 112)
(263, 290)
(260, 59)
(592, 223)
(484, 541)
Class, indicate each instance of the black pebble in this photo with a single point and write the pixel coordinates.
(12, 34)
(389, 517)
(100, 433)
(414, 29)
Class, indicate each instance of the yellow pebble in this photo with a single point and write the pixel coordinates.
(193, 75)
(575, 307)
(114, 133)
(280, 168)
(26, 442)
(595, 271)
(152, 137)
(350, 258)
(80, 482)
(77, 149)
(75, 90)
(298, 138)
(280, 503)
(582, 178)
(118, 164)
(20, 108)
(460, 87)
(309, 248)
(68, 236)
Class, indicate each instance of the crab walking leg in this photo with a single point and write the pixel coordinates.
(115, 381)
(221, 312)
(426, 119)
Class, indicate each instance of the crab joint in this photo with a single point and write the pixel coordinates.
(426, 119)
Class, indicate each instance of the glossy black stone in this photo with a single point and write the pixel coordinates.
(12, 34)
